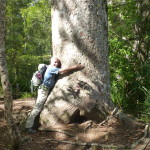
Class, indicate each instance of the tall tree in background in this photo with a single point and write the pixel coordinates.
(79, 35)
(141, 33)
(12, 128)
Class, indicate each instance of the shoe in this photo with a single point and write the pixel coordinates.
(31, 130)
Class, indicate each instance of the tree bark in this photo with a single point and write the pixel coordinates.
(141, 31)
(79, 35)
(12, 128)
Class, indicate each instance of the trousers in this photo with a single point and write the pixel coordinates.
(41, 99)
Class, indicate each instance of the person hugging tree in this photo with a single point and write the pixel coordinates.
(50, 78)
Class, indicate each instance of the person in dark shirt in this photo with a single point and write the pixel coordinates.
(50, 76)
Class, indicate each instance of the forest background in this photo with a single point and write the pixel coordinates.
(28, 43)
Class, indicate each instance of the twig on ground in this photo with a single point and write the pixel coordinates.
(113, 114)
(105, 120)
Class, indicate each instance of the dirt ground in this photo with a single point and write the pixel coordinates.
(113, 134)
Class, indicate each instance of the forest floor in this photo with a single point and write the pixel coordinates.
(113, 134)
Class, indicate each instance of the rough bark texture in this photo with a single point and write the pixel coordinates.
(13, 130)
(141, 28)
(79, 35)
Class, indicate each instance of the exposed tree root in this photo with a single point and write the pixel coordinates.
(144, 140)
(126, 119)
(109, 117)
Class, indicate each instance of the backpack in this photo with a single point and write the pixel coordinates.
(38, 77)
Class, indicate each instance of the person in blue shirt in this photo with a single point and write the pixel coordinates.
(50, 78)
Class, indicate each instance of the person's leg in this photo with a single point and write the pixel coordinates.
(42, 97)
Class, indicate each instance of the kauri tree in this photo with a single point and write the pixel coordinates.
(80, 35)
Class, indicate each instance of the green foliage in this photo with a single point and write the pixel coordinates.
(28, 40)
(129, 73)
(26, 95)
(144, 115)
(22, 71)
(14, 25)
(37, 27)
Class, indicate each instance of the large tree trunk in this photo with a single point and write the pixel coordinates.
(79, 35)
(12, 128)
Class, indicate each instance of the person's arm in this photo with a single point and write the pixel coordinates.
(67, 70)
